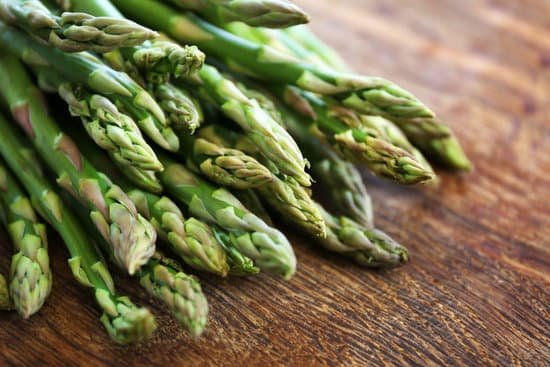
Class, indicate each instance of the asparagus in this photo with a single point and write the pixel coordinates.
(83, 68)
(432, 136)
(30, 275)
(356, 143)
(258, 13)
(282, 192)
(181, 109)
(73, 32)
(191, 240)
(273, 141)
(239, 264)
(157, 61)
(181, 293)
(125, 322)
(371, 95)
(266, 246)
(131, 237)
(368, 247)
(224, 166)
(5, 301)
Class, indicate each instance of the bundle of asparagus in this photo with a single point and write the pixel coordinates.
(193, 149)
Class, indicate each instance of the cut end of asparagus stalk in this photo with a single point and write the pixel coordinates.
(125, 322)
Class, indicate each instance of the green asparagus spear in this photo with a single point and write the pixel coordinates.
(73, 32)
(357, 143)
(181, 293)
(257, 13)
(125, 322)
(224, 166)
(368, 247)
(85, 69)
(369, 95)
(131, 237)
(266, 246)
(272, 140)
(30, 275)
(5, 301)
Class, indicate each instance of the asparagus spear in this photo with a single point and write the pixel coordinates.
(368, 247)
(356, 143)
(224, 166)
(73, 32)
(5, 301)
(272, 140)
(83, 68)
(257, 13)
(30, 275)
(125, 322)
(266, 246)
(370, 95)
(181, 293)
(131, 237)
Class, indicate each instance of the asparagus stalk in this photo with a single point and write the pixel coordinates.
(272, 140)
(368, 247)
(191, 240)
(30, 275)
(181, 293)
(125, 322)
(5, 301)
(83, 68)
(131, 237)
(257, 13)
(371, 95)
(73, 32)
(266, 246)
(356, 143)
(224, 166)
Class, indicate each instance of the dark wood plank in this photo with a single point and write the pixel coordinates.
(477, 289)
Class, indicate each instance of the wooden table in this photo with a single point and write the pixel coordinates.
(477, 289)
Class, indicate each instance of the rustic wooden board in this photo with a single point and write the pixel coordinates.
(477, 289)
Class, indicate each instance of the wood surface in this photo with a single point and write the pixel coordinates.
(476, 291)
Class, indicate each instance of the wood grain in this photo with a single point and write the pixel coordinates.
(477, 289)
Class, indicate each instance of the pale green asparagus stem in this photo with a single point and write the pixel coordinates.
(73, 32)
(30, 275)
(125, 322)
